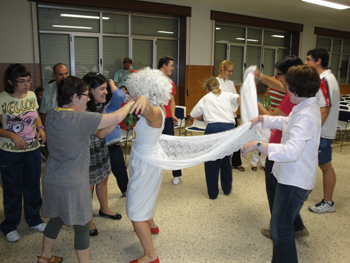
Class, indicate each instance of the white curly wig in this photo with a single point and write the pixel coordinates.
(151, 83)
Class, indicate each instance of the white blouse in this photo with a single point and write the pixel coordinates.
(216, 108)
(296, 157)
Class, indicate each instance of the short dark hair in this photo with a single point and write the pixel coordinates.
(94, 80)
(164, 60)
(38, 89)
(126, 60)
(288, 61)
(55, 67)
(68, 87)
(12, 73)
(304, 81)
(320, 53)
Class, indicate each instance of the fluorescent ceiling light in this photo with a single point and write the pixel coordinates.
(252, 40)
(217, 28)
(83, 16)
(327, 4)
(77, 27)
(165, 32)
(278, 36)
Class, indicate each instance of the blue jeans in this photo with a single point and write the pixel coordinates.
(20, 177)
(213, 168)
(118, 166)
(271, 184)
(288, 202)
(169, 130)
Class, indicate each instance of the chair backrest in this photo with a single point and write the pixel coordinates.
(180, 112)
(344, 115)
(344, 107)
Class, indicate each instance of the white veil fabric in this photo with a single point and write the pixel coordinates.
(179, 152)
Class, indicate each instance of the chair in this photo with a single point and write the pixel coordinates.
(180, 113)
(343, 121)
(125, 137)
(197, 126)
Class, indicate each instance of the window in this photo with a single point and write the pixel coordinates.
(246, 46)
(86, 40)
(339, 57)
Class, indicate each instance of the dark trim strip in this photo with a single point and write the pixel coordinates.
(126, 5)
(255, 21)
(331, 33)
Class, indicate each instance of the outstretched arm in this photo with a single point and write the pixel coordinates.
(270, 81)
(116, 117)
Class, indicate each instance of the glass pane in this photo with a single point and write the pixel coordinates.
(334, 65)
(68, 20)
(115, 49)
(324, 43)
(336, 45)
(273, 38)
(236, 57)
(54, 48)
(220, 55)
(281, 53)
(253, 56)
(154, 26)
(254, 36)
(86, 55)
(344, 69)
(346, 47)
(142, 53)
(115, 24)
(230, 33)
(168, 47)
(269, 62)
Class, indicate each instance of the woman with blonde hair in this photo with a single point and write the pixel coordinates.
(225, 71)
(216, 110)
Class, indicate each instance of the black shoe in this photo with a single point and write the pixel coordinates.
(117, 216)
(93, 232)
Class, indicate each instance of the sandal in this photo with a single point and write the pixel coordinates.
(53, 259)
(262, 168)
(254, 168)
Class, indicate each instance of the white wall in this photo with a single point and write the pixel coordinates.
(16, 38)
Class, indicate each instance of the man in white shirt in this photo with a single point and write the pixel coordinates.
(328, 99)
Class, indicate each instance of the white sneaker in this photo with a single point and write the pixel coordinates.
(40, 227)
(13, 236)
(322, 207)
(176, 180)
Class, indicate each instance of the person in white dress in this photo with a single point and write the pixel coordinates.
(153, 90)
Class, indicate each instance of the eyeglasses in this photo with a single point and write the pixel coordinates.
(279, 73)
(309, 59)
(230, 71)
(20, 82)
(87, 95)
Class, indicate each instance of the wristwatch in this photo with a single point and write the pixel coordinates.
(258, 145)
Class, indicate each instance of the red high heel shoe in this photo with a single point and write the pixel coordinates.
(154, 261)
(155, 230)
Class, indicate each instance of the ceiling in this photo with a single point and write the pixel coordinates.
(287, 10)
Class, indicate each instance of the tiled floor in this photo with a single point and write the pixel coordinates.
(196, 229)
